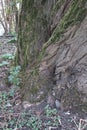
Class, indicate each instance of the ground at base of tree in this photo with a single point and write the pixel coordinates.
(16, 116)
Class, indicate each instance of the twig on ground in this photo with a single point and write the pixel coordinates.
(80, 126)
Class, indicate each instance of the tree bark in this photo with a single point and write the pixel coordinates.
(49, 43)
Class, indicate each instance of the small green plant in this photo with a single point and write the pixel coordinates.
(13, 40)
(12, 91)
(12, 120)
(57, 121)
(7, 56)
(34, 122)
(13, 77)
(49, 111)
(4, 63)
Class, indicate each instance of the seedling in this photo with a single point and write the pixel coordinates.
(13, 77)
(4, 63)
(7, 56)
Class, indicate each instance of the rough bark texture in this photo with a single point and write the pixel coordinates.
(52, 49)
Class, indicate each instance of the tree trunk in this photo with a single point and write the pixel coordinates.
(52, 50)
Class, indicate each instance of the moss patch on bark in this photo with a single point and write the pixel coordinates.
(74, 15)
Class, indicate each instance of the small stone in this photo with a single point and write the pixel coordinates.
(53, 128)
(26, 104)
(58, 104)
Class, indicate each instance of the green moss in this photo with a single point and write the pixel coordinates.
(44, 22)
(34, 13)
(57, 6)
(74, 15)
(43, 2)
(26, 55)
(41, 55)
(34, 89)
(30, 3)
